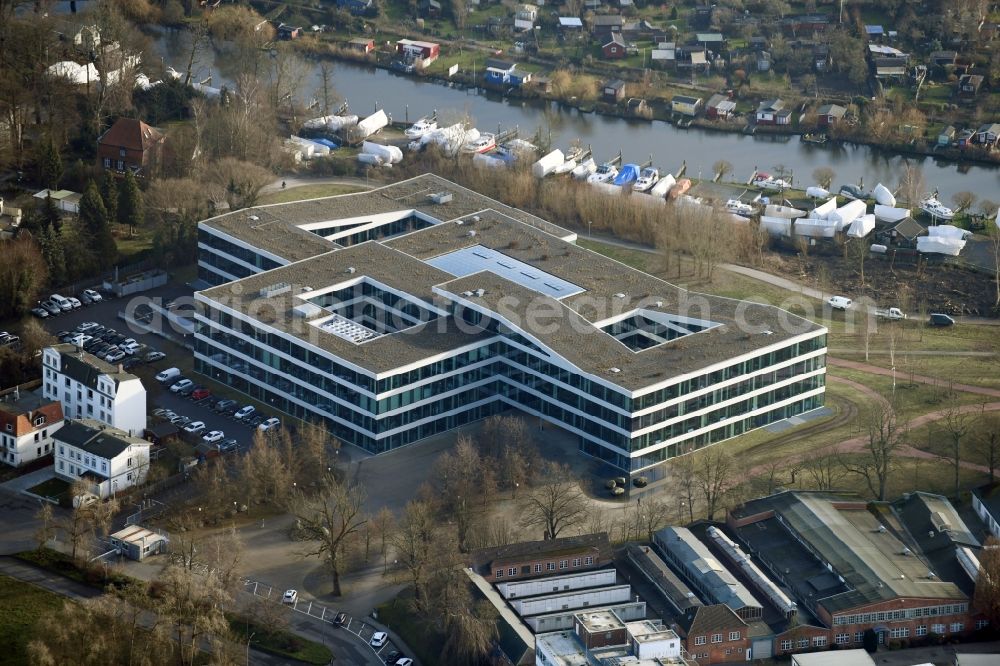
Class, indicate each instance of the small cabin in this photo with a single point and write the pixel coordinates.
(361, 45)
(686, 106)
(773, 112)
(499, 71)
(614, 91)
(614, 49)
(946, 136)
(830, 114)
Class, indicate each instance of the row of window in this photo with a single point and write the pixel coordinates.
(904, 614)
(717, 638)
(549, 566)
(894, 632)
(243, 254)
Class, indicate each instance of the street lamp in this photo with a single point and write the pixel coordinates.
(249, 638)
(590, 232)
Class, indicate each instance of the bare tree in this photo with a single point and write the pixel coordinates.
(987, 444)
(823, 471)
(986, 598)
(957, 424)
(264, 473)
(412, 541)
(994, 236)
(383, 523)
(328, 519)
(912, 185)
(556, 504)
(713, 473)
(193, 604)
(877, 460)
(686, 484)
(651, 515)
(963, 200)
(88, 519)
(46, 525)
(722, 168)
(824, 177)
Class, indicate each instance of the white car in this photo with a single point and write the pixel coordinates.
(75, 302)
(405, 661)
(86, 327)
(290, 597)
(80, 339)
(181, 385)
(244, 412)
(270, 424)
(130, 346)
(92, 296)
(115, 355)
(195, 427)
(379, 638)
(214, 436)
(165, 376)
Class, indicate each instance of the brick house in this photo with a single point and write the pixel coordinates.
(715, 635)
(541, 558)
(129, 144)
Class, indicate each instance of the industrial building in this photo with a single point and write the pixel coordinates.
(412, 309)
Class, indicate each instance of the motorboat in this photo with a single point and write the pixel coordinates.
(647, 178)
(565, 167)
(484, 143)
(421, 127)
(853, 192)
(936, 209)
(890, 213)
(738, 207)
(574, 153)
(605, 173)
(883, 196)
(768, 182)
(584, 169)
(628, 175)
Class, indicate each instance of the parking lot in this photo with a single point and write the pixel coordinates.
(106, 314)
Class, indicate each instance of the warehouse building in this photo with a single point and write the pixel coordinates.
(412, 309)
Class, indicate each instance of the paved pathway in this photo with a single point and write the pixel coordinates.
(30, 480)
(299, 181)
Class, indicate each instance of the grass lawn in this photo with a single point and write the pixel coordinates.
(308, 192)
(278, 642)
(398, 615)
(55, 488)
(21, 606)
(129, 247)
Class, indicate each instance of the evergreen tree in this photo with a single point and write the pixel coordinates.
(50, 165)
(54, 252)
(50, 216)
(94, 218)
(109, 194)
(130, 210)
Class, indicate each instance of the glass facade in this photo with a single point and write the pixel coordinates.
(629, 432)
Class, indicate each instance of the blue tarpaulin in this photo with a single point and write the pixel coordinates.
(627, 175)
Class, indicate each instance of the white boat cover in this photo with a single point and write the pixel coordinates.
(373, 123)
(663, 186)
(368, 158)
(389, 154)
(738, 219)
(948, 231)
(548, 163)
(862, 226)
(815, 228)
(940, 245)
(648, 199)
(485, 160)
(565, 167)
(822, 211)
(890, 214)
(817, 192)
(74, 73)
(883, 196)
(337, 123)
(774, 210)
(585, 168)
(776, 226)
(847, 213)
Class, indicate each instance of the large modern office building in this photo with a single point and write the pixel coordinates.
(417, 307)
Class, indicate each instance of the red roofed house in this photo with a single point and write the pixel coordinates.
(26, 426)
(129, 144)
(615, 48)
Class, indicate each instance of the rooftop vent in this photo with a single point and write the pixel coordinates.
(352, 270)
(254, 217)
(275, 289)
(615, 370)
(906, 551)
(467, 294)
(931, 574)
(440, 197)
(768, 332)
(881, 529)
(459, 222)
(659, 304)
(475, 218)
(305, 289)
(619, 295)
(480, 292)
(472, 232)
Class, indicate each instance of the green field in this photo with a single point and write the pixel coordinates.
(21, 606)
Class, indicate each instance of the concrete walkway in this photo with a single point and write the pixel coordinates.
(30, 480)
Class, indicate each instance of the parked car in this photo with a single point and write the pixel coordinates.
(180, 385)
(245, 412)
(40, 312)
(155, 356)
(51, 307)
(404, 661)
(62, 302)
(97, 332)
(114, 356)
(74, 302)
(168, 415)
(91, 296)
(168, 374)
(940, 319)
(290, 597)
(130, 346)
(214, 436)
(393, 656)
(224, 405)
(195, 427)
(200, 393)
(10, 340)
(272, 423)
(340, 620)
(379, 638)
(87, 327)
(227, 445)
(160, 411)
(839, 302)
(181, 421)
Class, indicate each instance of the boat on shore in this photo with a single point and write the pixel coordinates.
(890, 213)
(936, 209)
(421, 127)
(647, 178)
(818, 139)
(738, 207)
(483, 143)
(605, 173)
(628, 175)
(584, 169)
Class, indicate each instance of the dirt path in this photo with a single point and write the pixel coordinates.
(923, 379)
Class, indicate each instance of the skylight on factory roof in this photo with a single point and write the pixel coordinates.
(478, 258)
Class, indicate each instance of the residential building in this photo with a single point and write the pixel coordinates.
(830, 114)
(602, 26)
(715, 635)
(395, 322)
(90, 388)
(129, 144)
(969, 84)
(943, 58)
(686, 106)
(137, 543)
(525, 17)
(773, 112)
(548, 557)
(987, 135)
(429, 8)
(714, 582)
(288, 32)
(110, 459)
(27, 423)
(947, 136)
(614, 48)
(614, 91)
(853, 566)
(986, 503)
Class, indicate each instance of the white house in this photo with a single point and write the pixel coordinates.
(111, 459)
(27, 423)
(90, 388)
(986, 502)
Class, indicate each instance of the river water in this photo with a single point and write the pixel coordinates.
(365, 88)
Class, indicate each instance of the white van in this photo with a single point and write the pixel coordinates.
(63, 302)
(168, 375)
(839, 302)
